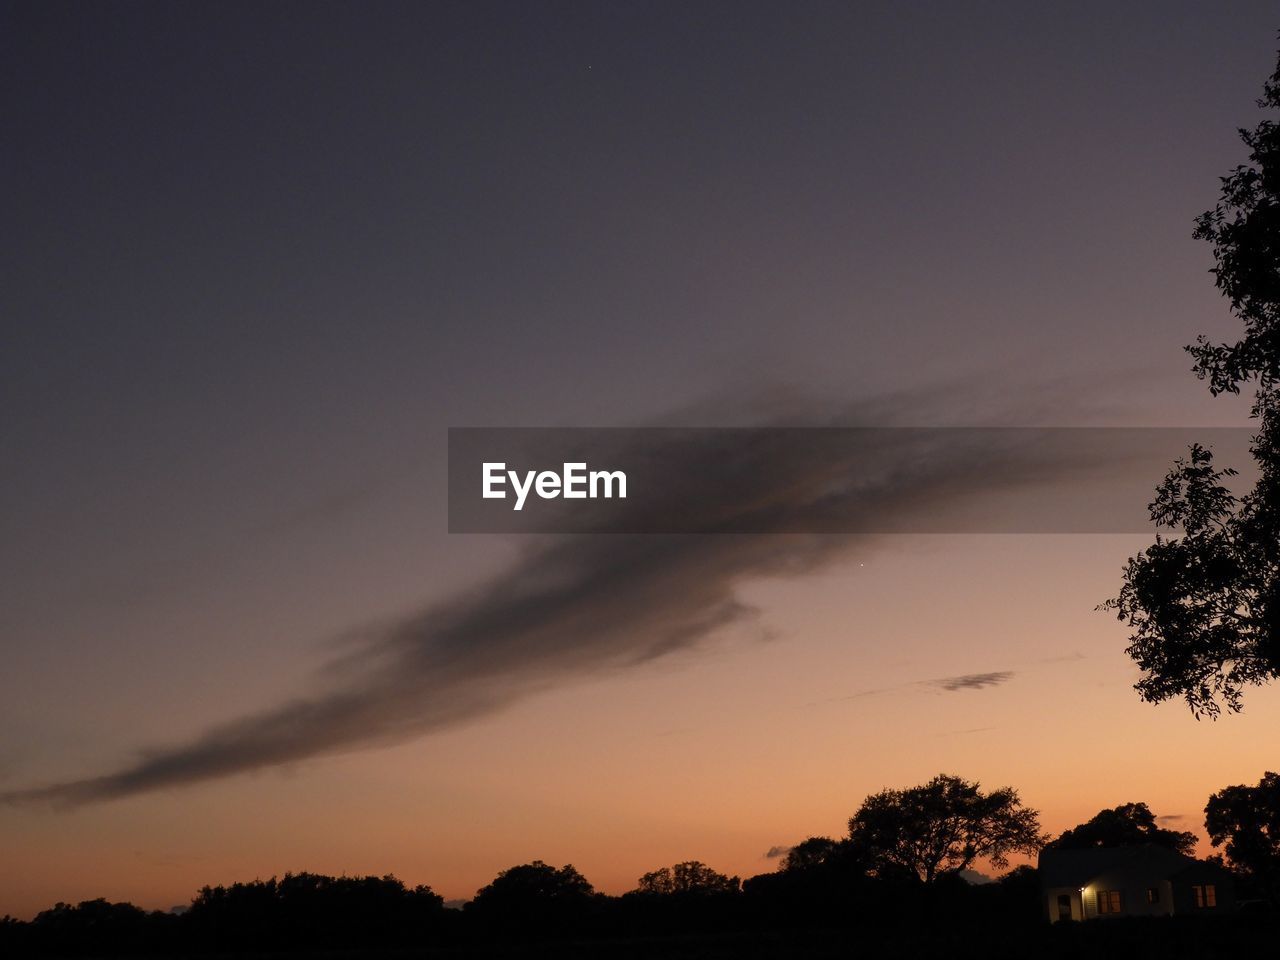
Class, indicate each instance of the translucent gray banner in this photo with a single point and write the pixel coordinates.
(676, 480)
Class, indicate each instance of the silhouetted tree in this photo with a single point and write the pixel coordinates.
(1129, 824)
(689, 878)
(1247, 821)
(814, 853)
(820, 882)
(1204, 606)
(942, 826)
(308, 909)
(1022, 880)
(1244, 230)
(534, 898)
(686, 898)
(99, 926)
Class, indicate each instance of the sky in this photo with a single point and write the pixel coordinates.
(258, 261)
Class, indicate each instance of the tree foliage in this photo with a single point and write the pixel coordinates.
(1245, 821)
(1204, 603)
(84, 927)
(535, 882)
(816, 853)
(1129, 824)
(311, 908)
(534, 898)
(1244, 230)
(689, 878)
(943, 826)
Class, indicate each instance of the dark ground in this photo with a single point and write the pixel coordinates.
(1165, 938)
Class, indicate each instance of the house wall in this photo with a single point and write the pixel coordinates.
(1175, 896)
(1133, 885)
(1132, 872)
(1184, 898)
(1051, 902)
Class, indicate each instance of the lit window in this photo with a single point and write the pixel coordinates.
(1206, 895)
(1153, 894)
(1108, 901)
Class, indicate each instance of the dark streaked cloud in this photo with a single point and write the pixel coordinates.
(776, 852)
(567, 607)
(973, 681)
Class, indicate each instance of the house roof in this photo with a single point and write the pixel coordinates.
(1076, 868)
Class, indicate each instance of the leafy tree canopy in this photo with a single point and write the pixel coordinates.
(1204, 605)
(814, 853)
(533, 885)
(690, 877)
(942, 826)
(1244, 230)
(1129, 824)
(1246, 822)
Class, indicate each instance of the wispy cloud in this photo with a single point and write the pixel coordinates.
(1065, 658)
(569, 606)
(860, 694)
(962, 682)
(776, 852)
(967, 681)
(964, 733)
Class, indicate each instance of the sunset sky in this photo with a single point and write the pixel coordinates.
(259, 258)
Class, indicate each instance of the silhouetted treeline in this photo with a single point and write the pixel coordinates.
(303, 910)
(817, 910)
(898, 876)
(528, 903)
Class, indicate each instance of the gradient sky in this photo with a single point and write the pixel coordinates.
(256, 261)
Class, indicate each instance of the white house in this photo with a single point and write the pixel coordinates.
(1137, 881)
